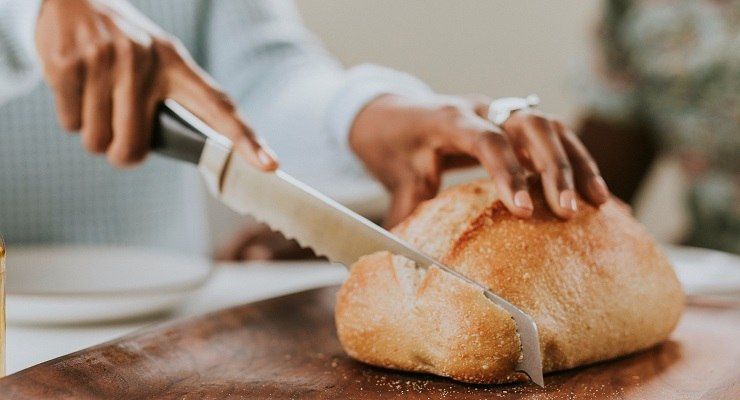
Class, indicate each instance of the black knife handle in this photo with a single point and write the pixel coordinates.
(175, 135)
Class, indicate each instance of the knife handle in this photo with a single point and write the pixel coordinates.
(176, 135)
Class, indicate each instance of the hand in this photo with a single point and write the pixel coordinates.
(407, 144)
(109, 67)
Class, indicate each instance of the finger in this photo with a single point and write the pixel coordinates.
(421, 183)
(484, 141)
(481, 139)
(407, 196)
(427, 165)
(495, 153)
(216, 109)
(521, 145)
(66, 83)
(132, 106)
(587, 175)
(97, 102)
(551, 162)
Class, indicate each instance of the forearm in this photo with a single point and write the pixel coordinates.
(19, 68)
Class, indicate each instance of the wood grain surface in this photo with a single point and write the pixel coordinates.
(286, 348)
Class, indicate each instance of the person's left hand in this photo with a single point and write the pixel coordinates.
(407, 144)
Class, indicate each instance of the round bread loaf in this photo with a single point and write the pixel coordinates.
(598, 287)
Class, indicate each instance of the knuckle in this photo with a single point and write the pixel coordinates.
(563, 165)
(126, 53)
(493, 139)
(131, 50)
(516, 170)
(537, 122)
(67, 62)
(125, 46)
(62, 68)
(99, 53)
(165, 43)
(143, 50)
(449, 112)
(167, 48)
(556, 167)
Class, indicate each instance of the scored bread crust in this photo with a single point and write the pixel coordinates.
(598, 287)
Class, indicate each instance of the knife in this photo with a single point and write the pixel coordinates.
(302, 213)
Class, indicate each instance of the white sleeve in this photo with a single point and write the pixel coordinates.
(19, 66)
(294, 93)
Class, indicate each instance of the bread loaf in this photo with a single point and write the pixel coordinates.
(597, 285)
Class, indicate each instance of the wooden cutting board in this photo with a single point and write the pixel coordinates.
(286, 348)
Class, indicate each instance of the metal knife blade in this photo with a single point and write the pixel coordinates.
(314, 220)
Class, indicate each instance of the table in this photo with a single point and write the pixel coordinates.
(231, 284)
(287, 348)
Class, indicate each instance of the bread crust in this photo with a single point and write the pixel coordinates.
(598, 287)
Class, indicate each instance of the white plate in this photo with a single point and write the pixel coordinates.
(84, 284)
(704, 271)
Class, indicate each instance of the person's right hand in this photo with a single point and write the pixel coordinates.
(109, 68)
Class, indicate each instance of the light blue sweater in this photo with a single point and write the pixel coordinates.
(294, 93)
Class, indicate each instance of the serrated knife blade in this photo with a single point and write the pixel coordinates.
(311, 218)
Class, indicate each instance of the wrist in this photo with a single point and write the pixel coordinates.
(363, 86)
(375, 116)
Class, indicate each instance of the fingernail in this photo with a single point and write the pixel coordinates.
(265, 158)
(599, 186)
(568, 200)
(522, 200)
(269, 151)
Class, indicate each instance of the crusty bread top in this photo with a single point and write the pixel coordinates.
(597, 285)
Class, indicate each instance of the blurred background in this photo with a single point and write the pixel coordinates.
(501, 48)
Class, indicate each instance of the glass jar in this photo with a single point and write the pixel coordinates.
(2, 307)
